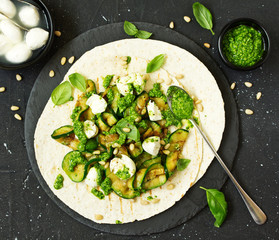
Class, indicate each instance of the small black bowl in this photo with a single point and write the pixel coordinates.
(248, 22)
(45, 49)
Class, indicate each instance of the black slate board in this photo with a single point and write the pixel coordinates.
(195, 199)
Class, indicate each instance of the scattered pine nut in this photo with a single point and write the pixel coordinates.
(132, 147)
(106, 165)
(116, 145)
(18, 77)
(2, 89)
(167, 146)
(162, 142)
(143, 111)
(18, 117)
(207, 45)
(233, 86)
(200, 107)
(167, 152)
(187, 19)
(138, 119)
(171, 25)
(115, 151)
(57, 33)
(249, 111)
(170, 186)
(71, 59)
(51, 73)
(99, 216)
(14, 108)
(126, 130)
(97, 152)
(63, 60)
(259, 95)
(102, 163)
(155, 200)
(248, 84)
(143, 202)
(160, 80)
(179, 76)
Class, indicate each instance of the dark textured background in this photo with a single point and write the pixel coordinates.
(25, 210)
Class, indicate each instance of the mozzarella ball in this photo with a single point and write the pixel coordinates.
(153, 111)
(19, 53)
(36, 38)
(90, 129)
(123, 167)
(29, 16)
(11, 31)
(96, 103)
(152, 145)
(5, 44)
(8, 8)
(92, 178)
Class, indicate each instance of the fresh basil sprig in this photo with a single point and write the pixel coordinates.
(132, 30)
(155, 63)
(62, 93)
(78, 81)
(182, 163)
(203, 16)
(217, 205)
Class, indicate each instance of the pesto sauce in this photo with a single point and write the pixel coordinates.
(157, 92)
(107, 81)
(243, 46)
(106, 186)
(58, 184)
(75, 159)
(123, 174)
(125, 102)
(79, 132)
(97, 193)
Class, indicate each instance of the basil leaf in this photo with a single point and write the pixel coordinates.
(78, 81)
(128, 59)
(182, 164)
(130, 28)
(143, 34)
(155, 63)
(133, 134)
(62, 93)
(217, 205)
(203, 16)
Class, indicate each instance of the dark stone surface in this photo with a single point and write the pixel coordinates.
(26, 212)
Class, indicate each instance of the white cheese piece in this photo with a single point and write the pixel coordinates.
(152, 145)
(36, 38)
(96, 103)
(19, 53)
(11, 31)
(5, 44)
(153, 111)
(29, 16)
(8, 8)
(118, 164)
(136, 79)
(92, 177)
(90, 129)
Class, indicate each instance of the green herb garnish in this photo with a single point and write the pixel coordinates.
(78, 81)
(143, 34)
(182, 164)
(118, 222)
(128, 59)
(107, 81)
(155, 63)
(58, 184)
(203, 16)
(217, 205)
(97, 193)
(132, 30)
(62, 93)
(133, 134)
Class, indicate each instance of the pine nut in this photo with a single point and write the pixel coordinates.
(132, 147)
(249, 111)
(167, 146)
(162, 142)
(167, 152)
(138, 119)
(51, 73)
(198, 101)
(248, 84)
(160, 80)
(179, 76)
(18, 117)
(115, 151)
(143, 202)
(233, 86)
(155, 200)
(18, 77)
(97, 152)
(71, 59)
(57, 33)
(106, 165)
(171, 25)
(116, 145)
(99, 216)
(127, 130)
(2, 89)
(63, 60)
(170, 186)
(200, 107)
(258, 96)
(102, 163)
(14, 108)
(187, 19)
(143, 111)
(207, 45)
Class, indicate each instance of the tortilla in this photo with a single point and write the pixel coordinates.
(104, 60)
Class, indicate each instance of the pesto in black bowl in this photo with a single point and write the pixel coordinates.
(243, 44)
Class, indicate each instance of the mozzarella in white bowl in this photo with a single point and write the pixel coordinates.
(11, 31)
(5, 44)
(8, 8)
(123, 167)
(29, 16)
(152, 145)
(36, 38)
(19, 53)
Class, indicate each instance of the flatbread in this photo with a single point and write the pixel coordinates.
(104, 60)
